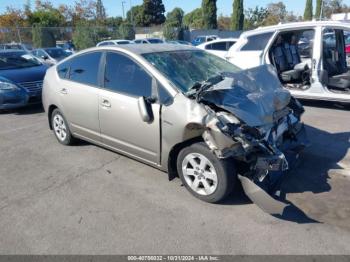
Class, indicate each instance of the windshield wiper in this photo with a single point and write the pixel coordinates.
(198, 88)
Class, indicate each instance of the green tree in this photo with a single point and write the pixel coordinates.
(334, 6)
(100, 12)
(194, 19)
(153, 12)
(256, 17)
(126, 31)
(209, 14)
(277, 13)
(175, 17)
(114, 21)
(224, 22)
(318, 8)
(46, 18)
(308, 10)
(42, 37)
(237, 15)
(172, 33)
(173, 27)
(27, 8)
(135, 15)
(84, 36)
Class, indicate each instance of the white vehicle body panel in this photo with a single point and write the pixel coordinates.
(250, 59)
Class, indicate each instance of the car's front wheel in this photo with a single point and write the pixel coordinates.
(207, 177)
(60, 128)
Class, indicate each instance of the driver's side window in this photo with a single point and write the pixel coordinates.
(124, 75)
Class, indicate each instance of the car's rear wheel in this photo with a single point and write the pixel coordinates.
(60, 128)
(207, 177)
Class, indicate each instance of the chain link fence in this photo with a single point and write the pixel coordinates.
(81, 36)
(87, 36)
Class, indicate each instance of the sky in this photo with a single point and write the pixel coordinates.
(114, 7)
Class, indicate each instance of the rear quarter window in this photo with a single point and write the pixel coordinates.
(62, 70)
(257, 42)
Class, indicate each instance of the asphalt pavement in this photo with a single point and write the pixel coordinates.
(84, 199)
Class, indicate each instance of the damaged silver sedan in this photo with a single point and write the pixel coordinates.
(181, 110)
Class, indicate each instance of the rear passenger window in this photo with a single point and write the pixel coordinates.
(220, 46)
(230, 44)
(84, 68)
(257, 42)
(124, 75)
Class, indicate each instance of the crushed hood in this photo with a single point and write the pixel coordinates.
(252, 95)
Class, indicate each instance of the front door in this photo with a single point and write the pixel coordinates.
(121, 125)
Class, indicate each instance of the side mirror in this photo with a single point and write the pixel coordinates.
(145, 109)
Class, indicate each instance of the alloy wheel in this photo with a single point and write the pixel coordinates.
(200, 174)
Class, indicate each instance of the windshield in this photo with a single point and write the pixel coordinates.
(186, 68)
(56, 52)
(13, 60)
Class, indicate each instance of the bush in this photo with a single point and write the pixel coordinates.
(126, 31)
(43, 37)
(172, 33)
(84, 37)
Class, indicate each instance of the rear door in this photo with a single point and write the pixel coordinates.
(79, 93)
(121, 125)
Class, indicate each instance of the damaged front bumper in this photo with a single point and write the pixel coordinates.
(265, 158)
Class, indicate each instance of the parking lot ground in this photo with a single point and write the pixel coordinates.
(84, 199)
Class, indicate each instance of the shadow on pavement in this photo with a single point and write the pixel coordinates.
(310, 175)
(326, 104)
(27, 110)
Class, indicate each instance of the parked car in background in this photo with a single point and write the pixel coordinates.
(219, 46)
(149, 41)
(178, 42)
(67, 46)
(180, 109)
(310, 57)
(115, 42)
(16, 46)
(50, 55)
(203, 38)
(21, 79)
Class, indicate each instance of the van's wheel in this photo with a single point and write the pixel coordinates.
(60, 128)
(207, 177)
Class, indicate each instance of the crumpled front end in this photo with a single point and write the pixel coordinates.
(264, 136)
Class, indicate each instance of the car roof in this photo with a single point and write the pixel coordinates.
(293, 25)
(144, 49)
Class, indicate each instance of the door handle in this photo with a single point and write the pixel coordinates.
(105, 103)
(64, 91)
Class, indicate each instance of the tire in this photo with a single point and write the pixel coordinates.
(60, 128)
(206, 177)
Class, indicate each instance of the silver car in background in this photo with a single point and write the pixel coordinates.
(179, 109)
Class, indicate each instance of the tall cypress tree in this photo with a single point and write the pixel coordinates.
(318, 8)
(100, 11)
(237, 15)
(308, 10)
(209, 14)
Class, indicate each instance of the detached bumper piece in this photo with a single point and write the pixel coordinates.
(261, 184)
